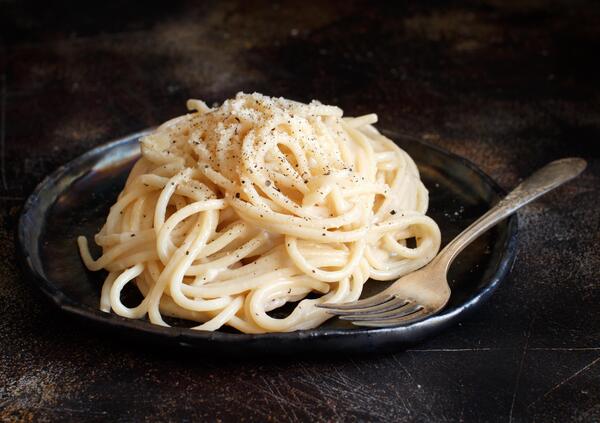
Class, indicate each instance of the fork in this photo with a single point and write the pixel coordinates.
(426, 291)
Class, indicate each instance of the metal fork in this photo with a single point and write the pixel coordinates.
(425, 292)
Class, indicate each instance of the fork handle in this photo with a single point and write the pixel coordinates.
(545, 179)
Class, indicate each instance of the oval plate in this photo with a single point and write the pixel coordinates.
(75, 199)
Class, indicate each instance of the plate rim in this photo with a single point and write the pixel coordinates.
(186, 336)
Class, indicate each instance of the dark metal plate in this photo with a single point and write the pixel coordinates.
(75, 199)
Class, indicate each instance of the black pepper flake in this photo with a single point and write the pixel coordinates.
(237, 195)
(187, 253)
(392, 212)
(132, 235)
(323, 234)
(268, 183)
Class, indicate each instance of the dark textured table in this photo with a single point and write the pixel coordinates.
(510, 87)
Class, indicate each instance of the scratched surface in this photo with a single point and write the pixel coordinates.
(509, 86)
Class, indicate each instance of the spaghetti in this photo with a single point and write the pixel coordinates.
(234, 211)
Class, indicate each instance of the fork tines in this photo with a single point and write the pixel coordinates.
(381, 310)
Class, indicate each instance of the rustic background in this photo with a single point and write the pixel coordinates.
(509, 85)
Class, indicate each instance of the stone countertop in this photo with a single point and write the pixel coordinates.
(508, 86)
